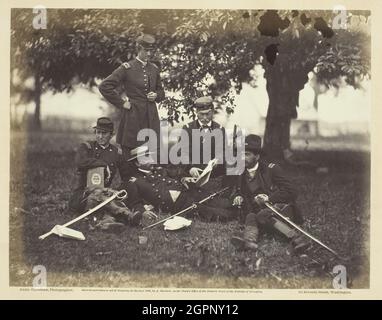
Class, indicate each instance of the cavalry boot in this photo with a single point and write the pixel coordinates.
(299, 243)
(246, 241)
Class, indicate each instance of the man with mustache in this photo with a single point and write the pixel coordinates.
(264, 182)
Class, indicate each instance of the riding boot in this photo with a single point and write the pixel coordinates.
(247, 240)
(299, 243)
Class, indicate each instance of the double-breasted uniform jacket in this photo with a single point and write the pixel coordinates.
(91, 155)
(167, 194)
(269, 179)
(154, 188)
(217, 147)
(136, 80)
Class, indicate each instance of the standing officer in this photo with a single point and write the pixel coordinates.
(100, 153)
(211, 137)
(140, 80)
(264, 182)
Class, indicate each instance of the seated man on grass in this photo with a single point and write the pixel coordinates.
(97, 163)
(261, 183)
(155, 186)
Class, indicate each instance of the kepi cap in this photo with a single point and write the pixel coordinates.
(204, 103)
(146, 41)
(104, 124)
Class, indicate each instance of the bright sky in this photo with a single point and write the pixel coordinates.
(347, 106)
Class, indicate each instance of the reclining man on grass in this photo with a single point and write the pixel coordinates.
(97, 163)
(155, 186)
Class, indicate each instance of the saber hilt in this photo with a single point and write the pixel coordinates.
(120, 195)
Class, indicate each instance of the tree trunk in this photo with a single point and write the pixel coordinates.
(315, 105)
(276, 137)
(37, 100)
(283, 87)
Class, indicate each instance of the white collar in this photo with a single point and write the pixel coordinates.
(253, 169)
(141, 61)
(209, 124)
(104, 147)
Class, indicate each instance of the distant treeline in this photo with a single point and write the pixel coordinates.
(55, 123)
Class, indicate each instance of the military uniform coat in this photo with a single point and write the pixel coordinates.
(136, 81)
(270, 180)
(169, 195)
(154, 188)
(91, 155)
(217, 147)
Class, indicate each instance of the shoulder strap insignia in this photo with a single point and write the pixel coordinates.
(132, 179)
(126, 65)
(119, 150)
(271, 165)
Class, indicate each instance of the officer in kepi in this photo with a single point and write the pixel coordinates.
(260, 183)
(211, 137)
(97, 163)
(142, 89)
(153, 186)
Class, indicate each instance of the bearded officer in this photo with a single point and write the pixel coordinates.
(140, 80)
(265, 182)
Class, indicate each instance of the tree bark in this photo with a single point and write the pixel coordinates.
(283, 87)
(276, 137)
(37, 101)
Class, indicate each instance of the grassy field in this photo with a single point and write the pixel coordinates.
(335, 203)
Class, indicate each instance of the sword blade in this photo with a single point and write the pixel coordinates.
(301, 230)
(193, 206)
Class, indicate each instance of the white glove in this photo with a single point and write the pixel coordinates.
(151, 96)
(238, 201)
(261, 199)
(126, 104)
(186, 180)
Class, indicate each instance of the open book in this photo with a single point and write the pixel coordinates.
(204, 176)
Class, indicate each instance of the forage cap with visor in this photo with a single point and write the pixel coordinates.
(104, 124)
(146, 41)
(204, 103)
